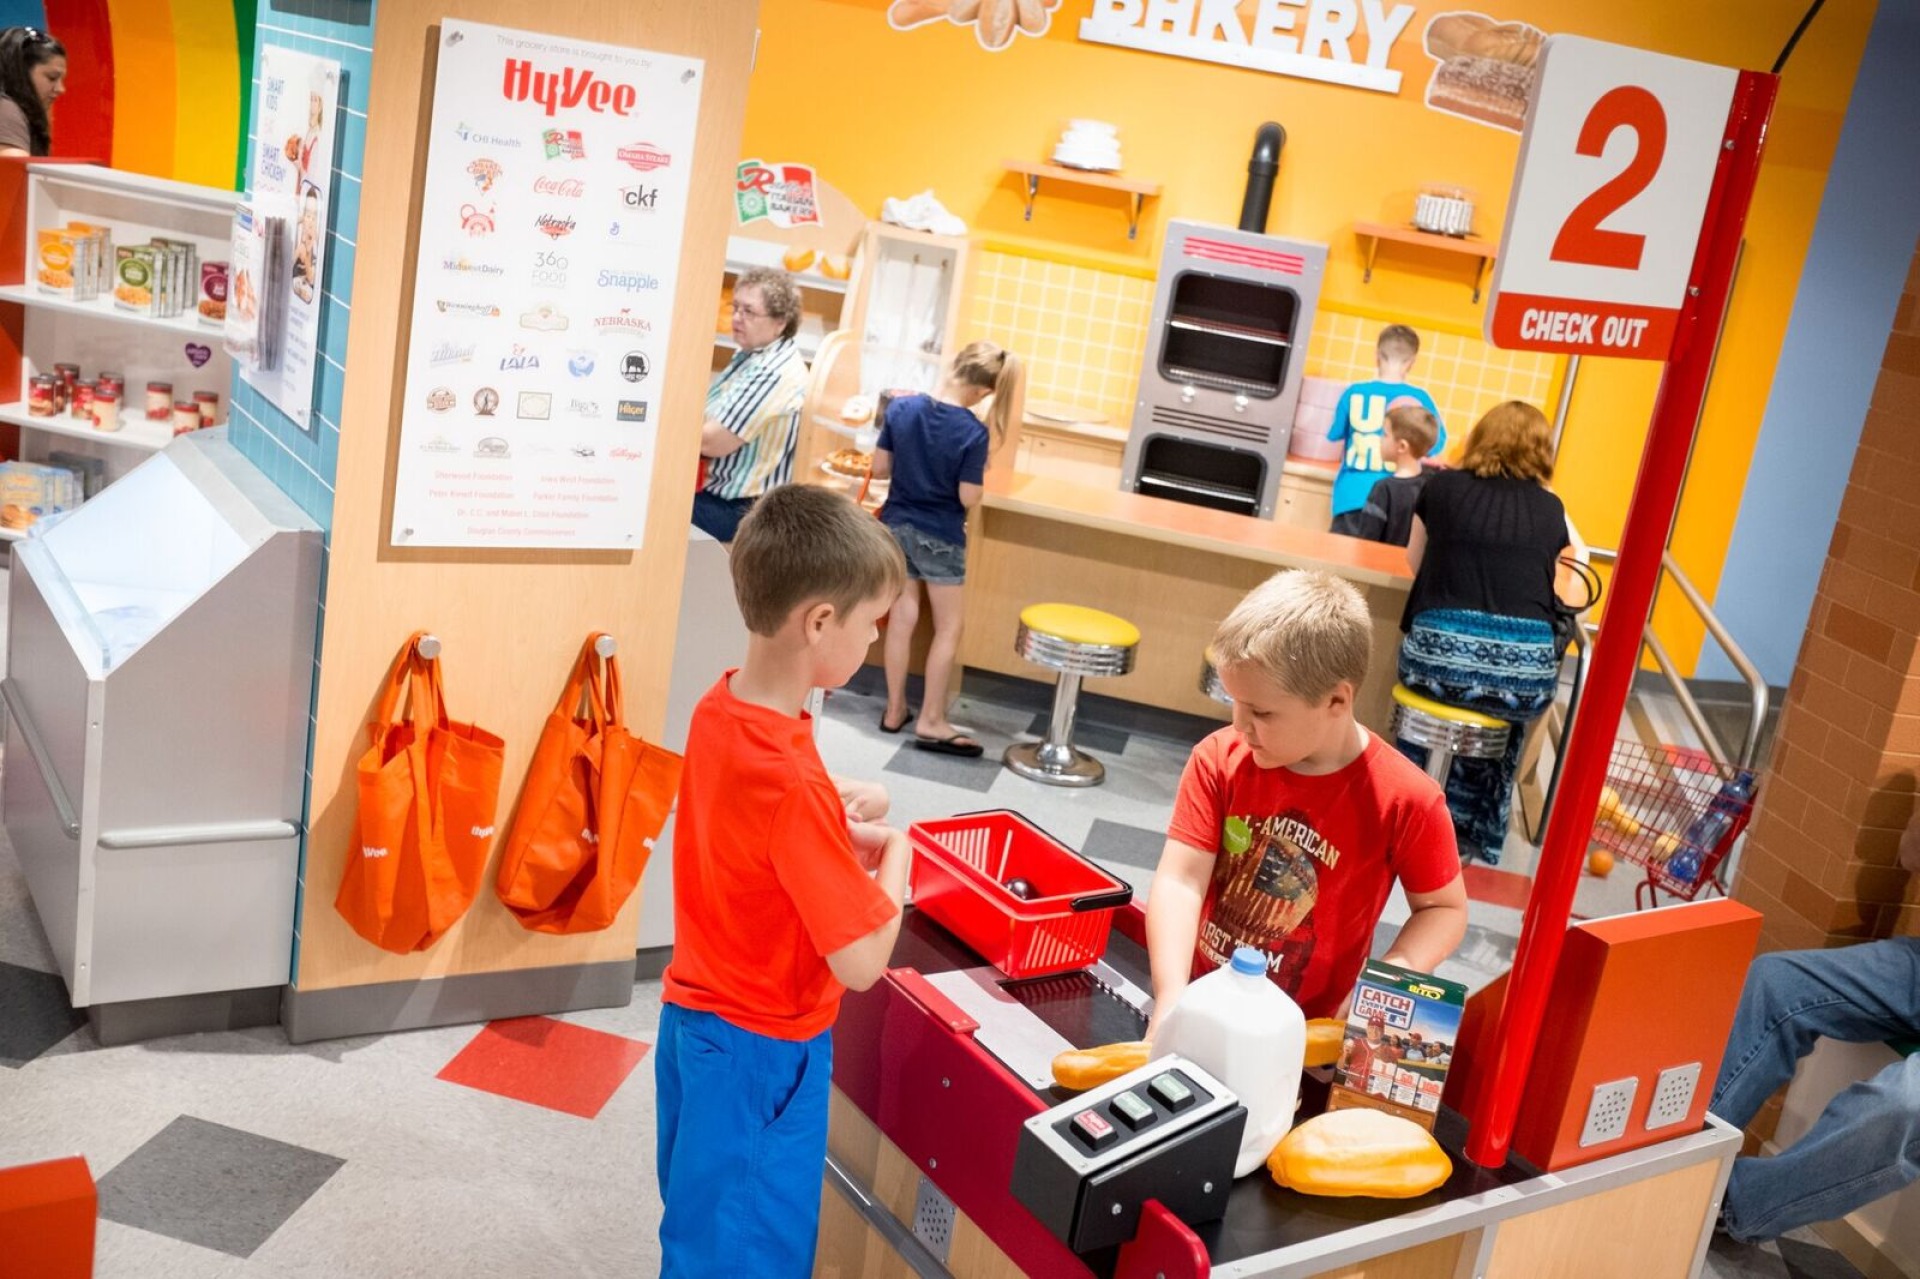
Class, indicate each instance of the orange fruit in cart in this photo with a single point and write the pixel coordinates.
(1599, 862)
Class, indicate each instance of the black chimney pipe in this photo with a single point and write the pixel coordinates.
(1262, 165)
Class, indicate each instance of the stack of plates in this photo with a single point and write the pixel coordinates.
(1089, 144)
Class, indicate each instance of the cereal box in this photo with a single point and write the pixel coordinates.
(56, 264)
(136, 278)
(1399, 1043)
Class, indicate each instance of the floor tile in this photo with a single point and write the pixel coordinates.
(1119, 842)
(977, 775)
(548, 1063)
(1497, 887)
(1806, 1260)
(211, 1185)
(34, 1013)
(1098, 738)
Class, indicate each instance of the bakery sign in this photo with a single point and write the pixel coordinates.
(1336, 41)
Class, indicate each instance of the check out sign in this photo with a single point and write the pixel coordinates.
(1616, 162)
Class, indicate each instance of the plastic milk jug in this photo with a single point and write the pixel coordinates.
(1243, 1030)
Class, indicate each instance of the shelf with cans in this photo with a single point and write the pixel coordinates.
(123, 297)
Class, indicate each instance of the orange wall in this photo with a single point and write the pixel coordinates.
(888, 113)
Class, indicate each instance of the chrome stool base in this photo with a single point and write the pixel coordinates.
(1054, 764)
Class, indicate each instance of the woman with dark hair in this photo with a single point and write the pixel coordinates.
(33, 72)
(1485, 549)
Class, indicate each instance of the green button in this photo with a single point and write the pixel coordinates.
(1170, 1092)
(1132, 1111)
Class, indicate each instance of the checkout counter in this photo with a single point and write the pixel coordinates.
(927, 1111)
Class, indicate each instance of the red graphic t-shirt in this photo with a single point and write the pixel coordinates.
(1303, 864)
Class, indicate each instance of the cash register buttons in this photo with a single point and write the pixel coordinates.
(1171, 1093)
(1132, 1111)
(1094, 1132)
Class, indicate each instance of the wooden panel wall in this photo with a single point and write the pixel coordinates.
(510, 621)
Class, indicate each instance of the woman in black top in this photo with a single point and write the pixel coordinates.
(33, 72)
(1485, 548)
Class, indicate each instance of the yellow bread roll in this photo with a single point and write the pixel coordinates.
(797, 259)
(1346, 1153)
(1324, 1035)
(1085, 1068)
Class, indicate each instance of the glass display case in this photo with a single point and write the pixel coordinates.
(159, 680)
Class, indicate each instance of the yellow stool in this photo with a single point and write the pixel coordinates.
(1210, 679)
(1446, 731)
(1077, 642)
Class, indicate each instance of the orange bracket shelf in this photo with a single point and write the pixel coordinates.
(1139, 191)
(1371, 234)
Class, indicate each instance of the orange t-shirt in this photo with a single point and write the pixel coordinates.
(765, 880)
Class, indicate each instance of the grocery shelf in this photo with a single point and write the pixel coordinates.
(137, 433)
(13, 534)
(102, 308)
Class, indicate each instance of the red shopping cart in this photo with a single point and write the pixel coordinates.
(1675, 812)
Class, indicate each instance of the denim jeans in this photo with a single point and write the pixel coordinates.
(719, 517)
(1866, 1143)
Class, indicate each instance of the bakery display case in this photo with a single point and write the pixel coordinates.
(157, 693)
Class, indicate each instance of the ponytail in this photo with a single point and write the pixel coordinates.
(995, 369)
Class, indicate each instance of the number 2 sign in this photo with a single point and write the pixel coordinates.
(1616, 163)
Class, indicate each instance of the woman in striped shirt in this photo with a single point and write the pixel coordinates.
(753, 408)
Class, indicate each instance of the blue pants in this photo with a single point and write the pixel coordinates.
(742, 1147)
(1866, 1143)
(719, 517)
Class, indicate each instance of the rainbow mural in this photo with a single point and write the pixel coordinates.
(153, 86)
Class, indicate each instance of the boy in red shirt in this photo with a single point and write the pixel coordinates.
(1291, 825)
(777, 906)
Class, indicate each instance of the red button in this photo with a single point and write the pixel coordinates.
(1095, 1132)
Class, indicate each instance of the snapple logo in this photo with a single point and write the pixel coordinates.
(569, 88)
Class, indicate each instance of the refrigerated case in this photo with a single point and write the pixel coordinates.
(160, 672)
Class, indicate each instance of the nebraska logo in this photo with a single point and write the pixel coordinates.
(553, 227)
(570, 88)
(568, 188)
(644, 156)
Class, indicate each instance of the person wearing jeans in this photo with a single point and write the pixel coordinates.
(1866, 1143)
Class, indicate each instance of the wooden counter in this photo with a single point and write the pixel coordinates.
(1171, 569)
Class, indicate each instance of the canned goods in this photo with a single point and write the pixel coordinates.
(159, 401)
(208, 403)
(106, 409)
(43, 395)
(80, 401)
(111, 382)
(186, 417)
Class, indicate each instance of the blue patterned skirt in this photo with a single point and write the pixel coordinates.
(1505, 667)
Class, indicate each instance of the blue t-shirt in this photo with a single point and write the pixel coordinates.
(936, 448)
(1361, 420)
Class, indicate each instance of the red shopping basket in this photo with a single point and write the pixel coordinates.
(961, 866)
(1652, 808)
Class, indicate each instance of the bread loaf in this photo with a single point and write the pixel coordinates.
(1347, 1153)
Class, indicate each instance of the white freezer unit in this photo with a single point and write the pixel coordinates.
(159, 682)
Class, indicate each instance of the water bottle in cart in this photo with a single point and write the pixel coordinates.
(1706, 832)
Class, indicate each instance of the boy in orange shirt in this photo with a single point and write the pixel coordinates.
(782, 900)
(1291, 825)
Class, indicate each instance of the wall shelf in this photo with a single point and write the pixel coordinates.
(1371, 234)
(135, 432)
(1139, 192)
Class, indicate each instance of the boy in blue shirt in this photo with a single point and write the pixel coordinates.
(1361, 419)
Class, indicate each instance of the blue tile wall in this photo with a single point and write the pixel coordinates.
(303, 463)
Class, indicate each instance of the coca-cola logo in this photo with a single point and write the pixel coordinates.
(568, 188)
(553, 226)
(570, 88)
(644, 156)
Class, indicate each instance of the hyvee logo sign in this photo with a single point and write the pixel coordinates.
(570, 89)
(1336, 41)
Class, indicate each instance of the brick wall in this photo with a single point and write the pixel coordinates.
(1821, 859)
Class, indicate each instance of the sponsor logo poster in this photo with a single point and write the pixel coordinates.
(555, 203)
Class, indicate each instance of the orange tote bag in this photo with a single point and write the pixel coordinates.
(427, 791)
(595, 798)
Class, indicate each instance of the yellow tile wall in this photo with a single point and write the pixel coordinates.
(1083, 334)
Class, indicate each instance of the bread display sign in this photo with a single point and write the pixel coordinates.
(1485, 70)
(1335, 41)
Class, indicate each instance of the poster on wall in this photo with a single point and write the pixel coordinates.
(550, 231)
(290, 189)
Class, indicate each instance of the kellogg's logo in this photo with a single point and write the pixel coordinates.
(644, 156)
(565, 188)
(554, 226)
(570, 88)
(624, 455)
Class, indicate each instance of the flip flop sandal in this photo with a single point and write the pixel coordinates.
(885, 728)
(955, 745)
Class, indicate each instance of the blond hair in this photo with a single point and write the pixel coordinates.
(1398, 342)
(1414, 427)
(802, 544)
(1513, 440)
(996, 370)
(1305, 630)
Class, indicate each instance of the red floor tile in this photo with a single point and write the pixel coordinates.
(1497, 887)
(547, 1063)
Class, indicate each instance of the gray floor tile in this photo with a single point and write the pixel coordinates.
(1129, 845)
(212, 1185)
(1098, 738)
(976, 775)
(34, 1014)
(1807, 1260)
